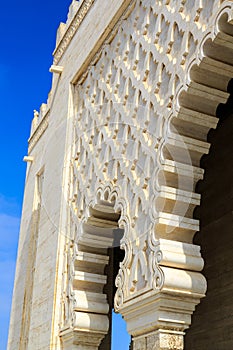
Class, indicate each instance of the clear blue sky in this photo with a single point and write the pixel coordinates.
(28, 32)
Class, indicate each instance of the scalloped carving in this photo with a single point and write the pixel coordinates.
(143, 113)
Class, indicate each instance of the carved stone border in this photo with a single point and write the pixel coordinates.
(72, 29)
(38, 132)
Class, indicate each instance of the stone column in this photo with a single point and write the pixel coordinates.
(159, 340)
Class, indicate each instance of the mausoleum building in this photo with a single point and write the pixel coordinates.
(129, 194)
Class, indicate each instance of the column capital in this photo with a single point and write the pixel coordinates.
(151, 312)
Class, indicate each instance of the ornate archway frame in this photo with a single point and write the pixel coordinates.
(89, 311)
(159, 308)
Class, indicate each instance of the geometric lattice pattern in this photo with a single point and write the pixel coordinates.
(140, 131)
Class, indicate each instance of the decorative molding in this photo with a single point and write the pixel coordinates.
(81, 339)
(71, 30)
(38, 132)
(135, 139)
(143, 114)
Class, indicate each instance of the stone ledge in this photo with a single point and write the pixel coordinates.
(71, 30)
(34, 138)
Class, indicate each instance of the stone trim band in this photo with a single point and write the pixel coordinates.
(72, 29)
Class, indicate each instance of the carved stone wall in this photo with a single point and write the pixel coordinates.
(137, 144)
(140, 105)
(215, 238)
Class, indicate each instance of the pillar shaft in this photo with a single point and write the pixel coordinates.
(159, 340)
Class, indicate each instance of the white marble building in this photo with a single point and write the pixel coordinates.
(113, 160)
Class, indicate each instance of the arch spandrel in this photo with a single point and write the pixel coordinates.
(142, 116)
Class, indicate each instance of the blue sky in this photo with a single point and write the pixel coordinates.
(28, 32)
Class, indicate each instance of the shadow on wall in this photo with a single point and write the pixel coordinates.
(212, 321)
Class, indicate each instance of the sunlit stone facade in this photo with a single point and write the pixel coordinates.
(113, 161)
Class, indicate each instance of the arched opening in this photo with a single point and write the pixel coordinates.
(96, 269)
(206, 105)
(213, 319)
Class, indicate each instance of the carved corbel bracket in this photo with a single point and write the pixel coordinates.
(88, 331)
(162, 314)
